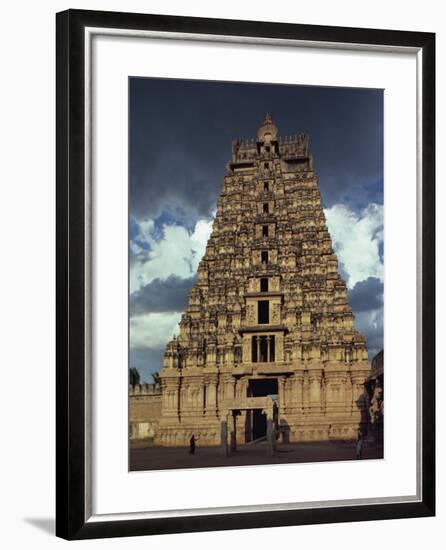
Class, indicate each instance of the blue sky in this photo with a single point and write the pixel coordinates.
(180, 140)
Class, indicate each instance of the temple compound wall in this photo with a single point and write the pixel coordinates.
(144, 410)
(268, 315)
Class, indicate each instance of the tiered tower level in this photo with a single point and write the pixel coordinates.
(268, 315)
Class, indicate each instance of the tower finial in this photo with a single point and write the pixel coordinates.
(267, 130)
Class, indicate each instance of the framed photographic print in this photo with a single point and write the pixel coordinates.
(245, 222)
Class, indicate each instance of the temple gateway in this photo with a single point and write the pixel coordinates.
(268, 337)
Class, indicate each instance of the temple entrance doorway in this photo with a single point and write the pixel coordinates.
(258, 424)
(256, 418)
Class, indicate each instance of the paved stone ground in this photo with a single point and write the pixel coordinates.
(143, 457)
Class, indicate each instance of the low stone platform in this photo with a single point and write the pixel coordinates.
(144, 456)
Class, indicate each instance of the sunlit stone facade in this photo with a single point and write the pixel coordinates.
(268, 315)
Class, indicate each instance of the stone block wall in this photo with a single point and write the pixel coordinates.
(144, 410)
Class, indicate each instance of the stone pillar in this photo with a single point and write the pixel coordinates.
(315, 380)
(229, 387)
(241, 388)
(289, 394)
(211, 396)
(348, 393)
(343, 397)
(224, 438)
(358, 394)
(297, 382)
(281, 389)
(306, 392)
(170, 394)
(235, 432)
(357, 386)
(246, 350)
(211, 358)
(270, 437)
(229, 355)
(278, 352)
(200, 404)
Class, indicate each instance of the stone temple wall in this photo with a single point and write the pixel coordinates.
(144, 410)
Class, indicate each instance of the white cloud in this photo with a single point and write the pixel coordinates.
(153, 330)
(356, 239)
(200, 236)
(178, 252)
(145, 230)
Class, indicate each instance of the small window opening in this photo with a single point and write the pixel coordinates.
(264, 284)
(263, 312)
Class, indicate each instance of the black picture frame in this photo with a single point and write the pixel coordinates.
(71, 510)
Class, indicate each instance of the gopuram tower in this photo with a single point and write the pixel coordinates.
(268, 332)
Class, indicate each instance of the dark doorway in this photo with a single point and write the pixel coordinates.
(261, 387)
(258, 424)
(263, 312)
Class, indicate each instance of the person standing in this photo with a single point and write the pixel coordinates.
(192, 444)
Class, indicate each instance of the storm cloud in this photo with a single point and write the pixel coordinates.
(181, 133)
(162, 295)
(366, 295)
(371, 324)
(366, 299)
